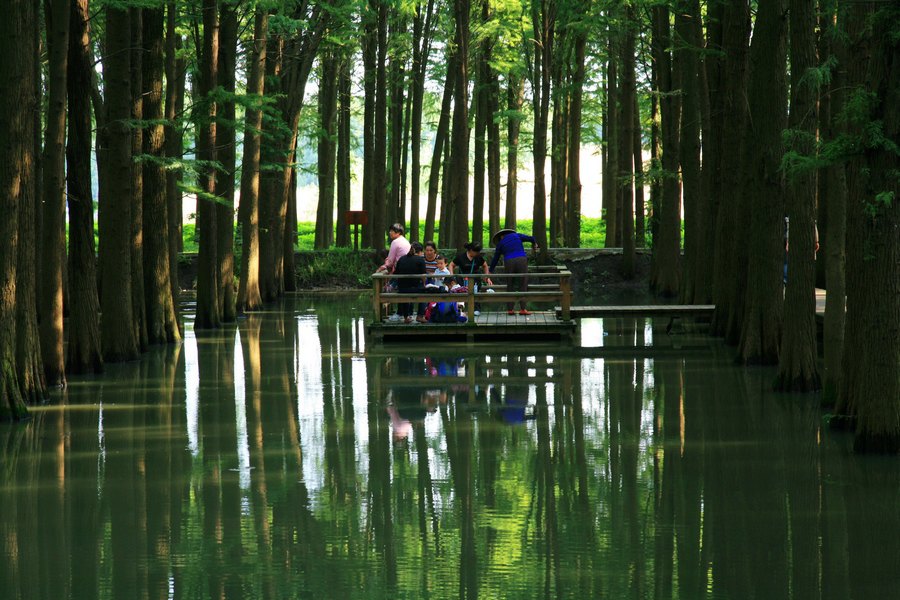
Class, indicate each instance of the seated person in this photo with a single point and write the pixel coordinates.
(411, 264)
(441, 271)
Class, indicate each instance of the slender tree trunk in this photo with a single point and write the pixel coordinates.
(440, 143)
(226, 154)
(162, 322)
(559, 148)
(665, 278)
(343, 148)
(797, 369)
(53, 246)
(396, 148)
(543, 18)
(268, 183)
(381, 219)
(326, 149)
(689, 28)
(83, 352)
(209, 315)
(626, 155)
(139, 309)
(493, 151)
(573, 202)
(249, 298)
(638, 159)
(726, 284)
(833, 189)
(422, 35)
(118, 341)
(370, 53)
(174, 134)
(458, 176)
(711, 119)
(515, 94)
(764, 195)
(17, 107)
(611, 137)
(478, 162)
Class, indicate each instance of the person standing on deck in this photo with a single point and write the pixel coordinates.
(509, 245)
(399, 247)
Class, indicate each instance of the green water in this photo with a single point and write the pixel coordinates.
(284, 459)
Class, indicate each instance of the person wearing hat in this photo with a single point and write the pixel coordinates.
(509, 245)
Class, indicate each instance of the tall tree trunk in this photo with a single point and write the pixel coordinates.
(626, 145)
(833, 194)
(226, 154)
(139, 309)
(727, 287)
(458, 176)
(53, 244)
(638, 160)
(326, 149)
(689, 29)
(381, 219)
(573, 202)
(114, 215)
(162, 322)
(478, 163)
(249, 298)
(176, 71)
(559, 148)
(515, 94)
(209, 315)
(83, 352)
(268, 182)
(422, 35)
(370, 54)
(712, 123)
(763, 204)
(543, 19)
(396, 147)
(665, 278)
(440, 143)
(343, 148)
(797, 369)
(611, 137)
(17, 108)
(493, 151)
(870, 389)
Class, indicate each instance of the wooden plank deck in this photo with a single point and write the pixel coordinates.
(488, 325)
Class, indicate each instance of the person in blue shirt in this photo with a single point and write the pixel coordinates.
(509, 245)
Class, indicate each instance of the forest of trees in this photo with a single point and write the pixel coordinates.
(749, 111)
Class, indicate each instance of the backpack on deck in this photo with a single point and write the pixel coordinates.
(442, 312)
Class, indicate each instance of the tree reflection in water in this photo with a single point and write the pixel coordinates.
(282, 459)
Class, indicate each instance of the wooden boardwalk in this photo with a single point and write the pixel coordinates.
(539, 325)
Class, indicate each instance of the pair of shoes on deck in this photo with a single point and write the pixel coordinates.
(522, 312)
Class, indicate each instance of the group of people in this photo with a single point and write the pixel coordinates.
(414, 258)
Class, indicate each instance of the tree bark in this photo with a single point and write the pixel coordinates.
(174, 134)
(515, 94)
(83, 351)
(380, 217)
(343, 148)
(422, 36)
(797, 368)
(139, 309)
(53, 244)
(543, 19)
(326, 149)
(440, 143)
(226, 155)
(665, 278)
(118, 338)
(573, 202)
(17, 107)
(763, 204)
(209, 315)
(162, 322)
(626, 147)
(611, 138)
(249, 298)
(369, 54)
(870, 389)
(458, 177)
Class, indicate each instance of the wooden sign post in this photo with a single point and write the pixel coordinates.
(356, 218)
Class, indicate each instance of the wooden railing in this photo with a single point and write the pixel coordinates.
(555, 287)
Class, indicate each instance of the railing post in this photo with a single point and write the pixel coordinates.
(566, 300)
(470, 294)
(376, 298)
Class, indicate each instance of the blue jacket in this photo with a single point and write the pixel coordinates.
(510, 247)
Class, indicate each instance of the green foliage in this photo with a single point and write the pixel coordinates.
(337, 267)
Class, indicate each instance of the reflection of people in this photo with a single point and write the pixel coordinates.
(514, 401)
(409, 405)
(509, 245)
(411, 264)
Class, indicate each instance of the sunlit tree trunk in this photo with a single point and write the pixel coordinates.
(83, 350)
(118, 336)
(53, 243)
(162, 322)
(226, 155)
(139, 308)
(797, 365)
(209, 315)
(249, 298)
(17, 105)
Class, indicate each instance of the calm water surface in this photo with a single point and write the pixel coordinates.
(283, 459)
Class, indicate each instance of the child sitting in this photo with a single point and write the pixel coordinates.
(441, 271)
